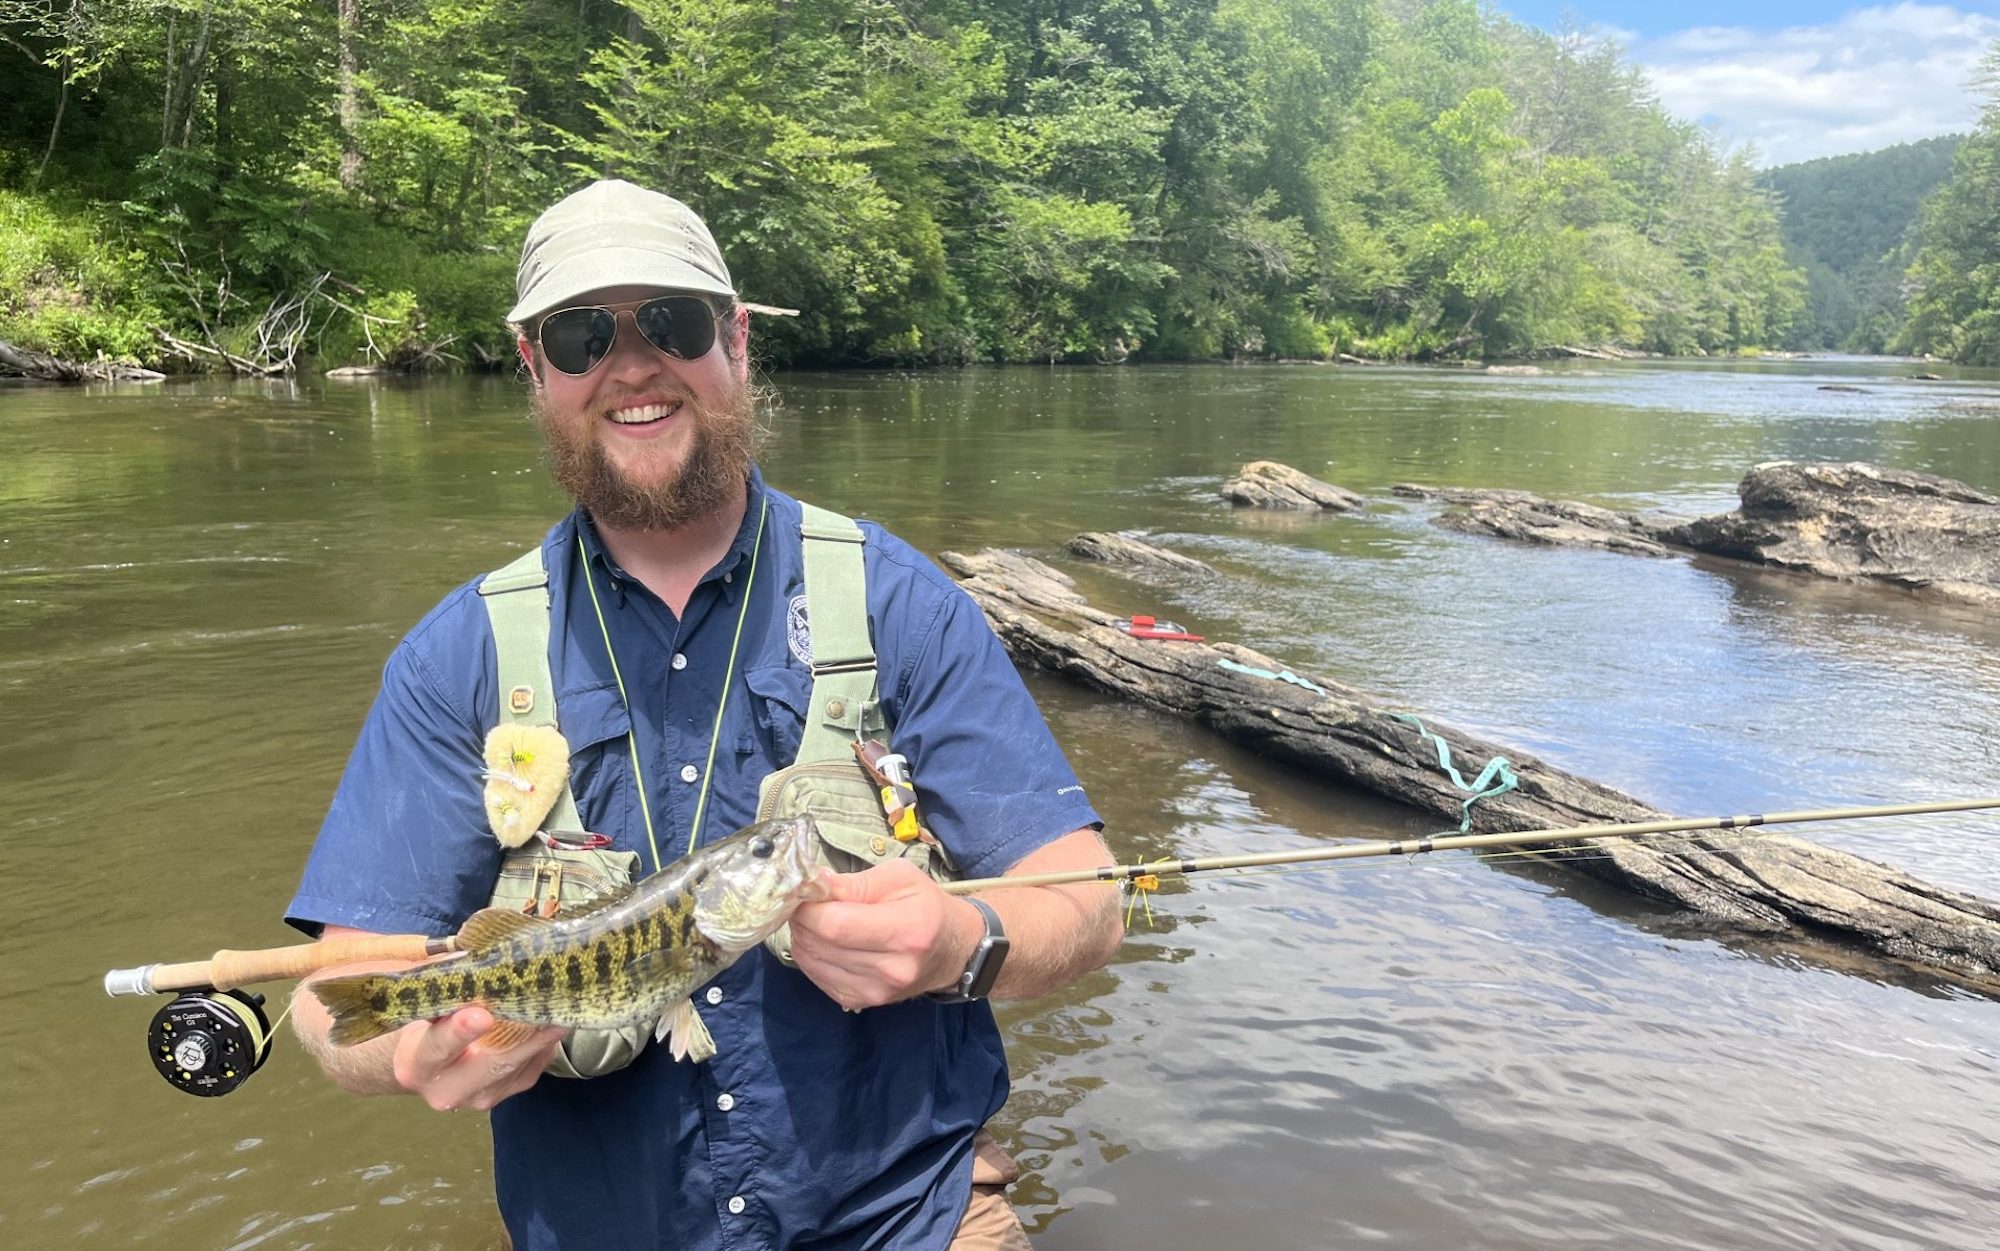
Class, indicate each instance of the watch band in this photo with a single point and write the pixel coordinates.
(983, 969)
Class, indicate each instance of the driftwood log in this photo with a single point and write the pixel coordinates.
(1268, 484)
(1771, 884)
(22, 363)
(1124, 549)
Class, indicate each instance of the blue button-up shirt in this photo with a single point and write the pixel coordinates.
(811, 1127)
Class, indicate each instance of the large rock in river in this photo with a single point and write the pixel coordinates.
(1856, 521)
(1268, 484)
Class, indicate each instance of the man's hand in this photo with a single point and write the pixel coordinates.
(890, 933)
(440, 1061)
(444, 1063)
(883, 935)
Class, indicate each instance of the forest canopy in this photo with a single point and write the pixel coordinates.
(929, 181)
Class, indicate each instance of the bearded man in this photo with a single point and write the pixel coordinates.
(845, 1104)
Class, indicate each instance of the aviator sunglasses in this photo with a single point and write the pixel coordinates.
(576, 339)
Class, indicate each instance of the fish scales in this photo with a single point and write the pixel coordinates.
(634, 957)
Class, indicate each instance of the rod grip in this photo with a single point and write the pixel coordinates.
(226, 970)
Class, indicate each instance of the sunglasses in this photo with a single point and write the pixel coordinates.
(575, 340)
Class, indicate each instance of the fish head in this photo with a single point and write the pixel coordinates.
(747, 885)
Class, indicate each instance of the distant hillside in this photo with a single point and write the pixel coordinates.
(1843, 215)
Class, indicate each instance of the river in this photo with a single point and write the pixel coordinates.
(199, 582)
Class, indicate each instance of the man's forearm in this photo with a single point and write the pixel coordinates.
(1055, 934)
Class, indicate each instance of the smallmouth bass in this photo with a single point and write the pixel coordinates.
(629, 957)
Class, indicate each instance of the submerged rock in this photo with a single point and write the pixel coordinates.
(1268, 484)
(1859, 521)
(1124, 549)
(1528, 518)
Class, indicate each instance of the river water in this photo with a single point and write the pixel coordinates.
(199, 583)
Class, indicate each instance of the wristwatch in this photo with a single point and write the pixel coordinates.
(983, 969)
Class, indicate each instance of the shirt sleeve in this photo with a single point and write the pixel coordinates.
(991, 782)
(404, 848)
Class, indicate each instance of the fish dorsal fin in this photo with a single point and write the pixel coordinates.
(610, 899)
(490, 926)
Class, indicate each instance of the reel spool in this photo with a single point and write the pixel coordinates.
(209, 1042)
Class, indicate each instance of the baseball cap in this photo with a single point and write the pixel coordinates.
(615, 234)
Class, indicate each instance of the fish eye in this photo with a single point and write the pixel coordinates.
(762, 848)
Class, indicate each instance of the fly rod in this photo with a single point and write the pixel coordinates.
(1449, 842)
(227, 970)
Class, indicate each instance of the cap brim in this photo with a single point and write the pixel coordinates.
(613, 267)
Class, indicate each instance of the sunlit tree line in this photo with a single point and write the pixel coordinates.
(930, 181)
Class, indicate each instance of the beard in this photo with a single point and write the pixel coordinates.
(718, 461)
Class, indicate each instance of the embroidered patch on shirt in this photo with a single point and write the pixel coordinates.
(798, 631)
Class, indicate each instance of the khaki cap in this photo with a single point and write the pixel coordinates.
(615, 234)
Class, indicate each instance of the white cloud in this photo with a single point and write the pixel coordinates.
(1872, 78)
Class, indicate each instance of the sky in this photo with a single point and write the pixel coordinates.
(1795, 79)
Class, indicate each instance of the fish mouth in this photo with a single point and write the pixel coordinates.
(800, 841)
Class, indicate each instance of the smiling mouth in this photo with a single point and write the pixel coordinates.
(644, 414)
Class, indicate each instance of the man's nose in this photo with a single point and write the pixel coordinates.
(632, 356)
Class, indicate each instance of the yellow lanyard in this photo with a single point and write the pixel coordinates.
(728, 676)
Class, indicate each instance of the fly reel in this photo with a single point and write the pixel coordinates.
(209, 1042)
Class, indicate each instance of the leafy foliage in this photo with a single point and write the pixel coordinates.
(1846, 220)
(931, 181)
(1954, 304)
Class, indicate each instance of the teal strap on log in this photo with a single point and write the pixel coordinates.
(1275, 675)
(517, 607)
(1497, 778)
(843, 708)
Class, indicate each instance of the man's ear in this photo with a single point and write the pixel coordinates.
(739, 329)
(527, 352)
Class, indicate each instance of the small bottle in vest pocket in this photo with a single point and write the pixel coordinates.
(890, 772)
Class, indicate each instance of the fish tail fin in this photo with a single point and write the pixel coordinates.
(350, 1000)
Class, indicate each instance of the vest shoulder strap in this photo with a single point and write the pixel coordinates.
(844, 706)
(517, 606)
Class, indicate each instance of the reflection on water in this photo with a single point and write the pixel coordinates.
(198, 584)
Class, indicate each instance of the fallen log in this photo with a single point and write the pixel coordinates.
(20, 362)
(1123, 549)
(1772, 884)
(1268, 484)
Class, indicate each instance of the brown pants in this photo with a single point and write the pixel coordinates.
(990, 1223)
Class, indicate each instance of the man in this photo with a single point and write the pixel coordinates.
(844, 1107)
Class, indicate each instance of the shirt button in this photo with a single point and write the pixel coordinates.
(730, 577)
(680, 661)
(689, 773)
(724, 1102)
(736, 1205)
(714, 995)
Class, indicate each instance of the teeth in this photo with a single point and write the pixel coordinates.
(642, 414)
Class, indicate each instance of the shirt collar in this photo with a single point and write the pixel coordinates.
(735, 558)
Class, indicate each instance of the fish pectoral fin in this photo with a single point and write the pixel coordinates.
(490, 926)
(505, 1034)
(685, 1034)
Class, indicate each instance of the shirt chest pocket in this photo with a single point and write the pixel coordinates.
(779, 696)
(598, 729)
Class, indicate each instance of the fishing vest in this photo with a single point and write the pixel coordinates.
(560, 867)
